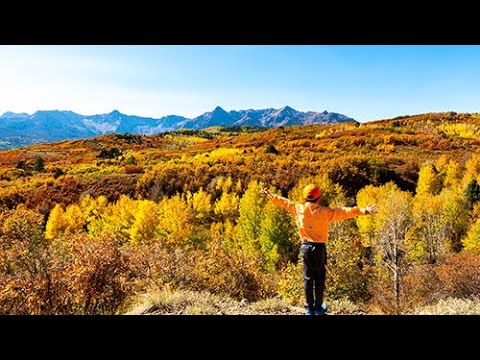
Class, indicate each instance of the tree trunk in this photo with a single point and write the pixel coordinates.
(396, 282)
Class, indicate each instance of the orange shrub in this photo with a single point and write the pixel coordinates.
(214, 269)
(11, 197)
(460, 275)
(76, 275)
(65, 191)
(112, 186)
(234, 273)
(132, 169)
(155, 264)
(96, 279)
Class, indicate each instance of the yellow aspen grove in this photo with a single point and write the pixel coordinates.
(368, 225)
(75, 219)
(175, 220)
(227, 205)
(442, 163)
(227, 185)
(201, 204)
(428, 241)
(427, 180)
(116, 219)
(224, 233)
(395, 220)
(219, 183)
(455, 217)
(56, 223)
(453, 175)
(224, 184)
(249, 221)
(390, 228)
(348, 273)
(93, 207)
(238, 187)
(472, 241)
(145, 224)
(472, 170)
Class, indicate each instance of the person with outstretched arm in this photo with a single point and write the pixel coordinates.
(312, 221)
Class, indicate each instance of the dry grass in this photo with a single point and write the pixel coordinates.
(345, 307)
(272, 306)
(202, 303)
(451, 307)
(167, 302)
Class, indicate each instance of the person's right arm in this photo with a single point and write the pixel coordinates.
(279, 201)
(342, 213)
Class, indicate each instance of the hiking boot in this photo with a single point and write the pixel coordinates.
(309, 312)
(322, 311)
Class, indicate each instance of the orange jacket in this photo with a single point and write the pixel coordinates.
(312, 219)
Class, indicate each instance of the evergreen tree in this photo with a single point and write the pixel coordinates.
(58, 172)
(39, 164)
(271, 149)
(131, 160)
(472, 192)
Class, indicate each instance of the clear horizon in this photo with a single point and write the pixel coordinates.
(365, 82)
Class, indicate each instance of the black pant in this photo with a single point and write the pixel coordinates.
(314, 272)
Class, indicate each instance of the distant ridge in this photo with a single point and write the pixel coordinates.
(22, 129)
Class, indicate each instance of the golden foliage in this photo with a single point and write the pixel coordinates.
(453, 175)
(427, 237)
(227, 205)
(201, 204)
(56, 223)
(472, 241)
(428, 182)
(461, 130)
(194, 219)
(175, 220)
(145, 224)
(472, 169)
(290, 286)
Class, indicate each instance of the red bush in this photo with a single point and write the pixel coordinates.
(459, 276)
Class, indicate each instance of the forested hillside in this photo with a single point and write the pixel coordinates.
(87, 225)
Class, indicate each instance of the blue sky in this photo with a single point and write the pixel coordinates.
(364, 82)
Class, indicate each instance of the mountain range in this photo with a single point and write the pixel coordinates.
(21, 129)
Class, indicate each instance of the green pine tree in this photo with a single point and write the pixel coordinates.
(39, 164)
